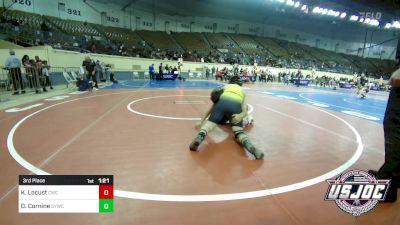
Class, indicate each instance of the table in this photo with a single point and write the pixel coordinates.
(247, 78)
(302, 82)
(166, 76)
(346, 85)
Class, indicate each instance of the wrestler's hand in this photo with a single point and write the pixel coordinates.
(395, 79)
(236, 118)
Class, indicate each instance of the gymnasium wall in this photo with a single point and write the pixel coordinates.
(141, 17)
(6, 45)
(61, 58)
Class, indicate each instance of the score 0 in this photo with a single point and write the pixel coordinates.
(106, 195)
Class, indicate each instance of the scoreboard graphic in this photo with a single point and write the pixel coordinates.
(66, 194)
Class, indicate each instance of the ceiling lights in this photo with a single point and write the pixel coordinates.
(367, 18)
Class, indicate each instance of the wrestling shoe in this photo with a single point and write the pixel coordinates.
(253, 150)
(196, 142)
(256, 152)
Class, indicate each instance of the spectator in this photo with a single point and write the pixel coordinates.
(151, 71)
(46, 74)
(42, 79)
(263, 76)
(167, 69)
(13, 65)
(207, 72)
(31, 73)
(160, 71)
(213, 71)
(391, 127)
(100, 71)
(27, 66)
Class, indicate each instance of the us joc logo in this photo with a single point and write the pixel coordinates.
(356, 191)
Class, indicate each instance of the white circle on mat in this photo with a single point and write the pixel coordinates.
(368, 117)
(194, 198)
(129, 107)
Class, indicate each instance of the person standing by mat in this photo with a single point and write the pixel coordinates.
(231, 104)
(151, 71)
(13, 65)
(391, 127)
(90, 67)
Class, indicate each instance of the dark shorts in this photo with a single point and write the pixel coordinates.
(223, 111)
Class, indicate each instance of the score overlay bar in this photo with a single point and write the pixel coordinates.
(66, 194)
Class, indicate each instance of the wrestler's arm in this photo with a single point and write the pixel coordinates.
(236, 118)
(244, 108)
(206, 115)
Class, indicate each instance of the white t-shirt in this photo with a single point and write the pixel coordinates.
(45, 71)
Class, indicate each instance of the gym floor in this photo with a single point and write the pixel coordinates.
(139, 131)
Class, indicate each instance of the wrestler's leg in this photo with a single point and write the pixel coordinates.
(243, 139)
(207, 127)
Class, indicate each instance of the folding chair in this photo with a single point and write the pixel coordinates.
(135, 75)
(70, 82)
(191, 75)
(74, 75)
(146, 75)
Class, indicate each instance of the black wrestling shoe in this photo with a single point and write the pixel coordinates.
(23, 92)
(256, 152)
(196, 142)
(15, 93)
(253, 150)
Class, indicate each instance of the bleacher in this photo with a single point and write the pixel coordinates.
(73, 27)
(23, 27)
(384, 66)
(26, 27)
(158, 40)
(118, 34)
(192, 42)
(361, 63)
(273, 47)
(295, 50)
(250, 46)
(24, 18)
(337, 58)
(220, 41)
(316, 53)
